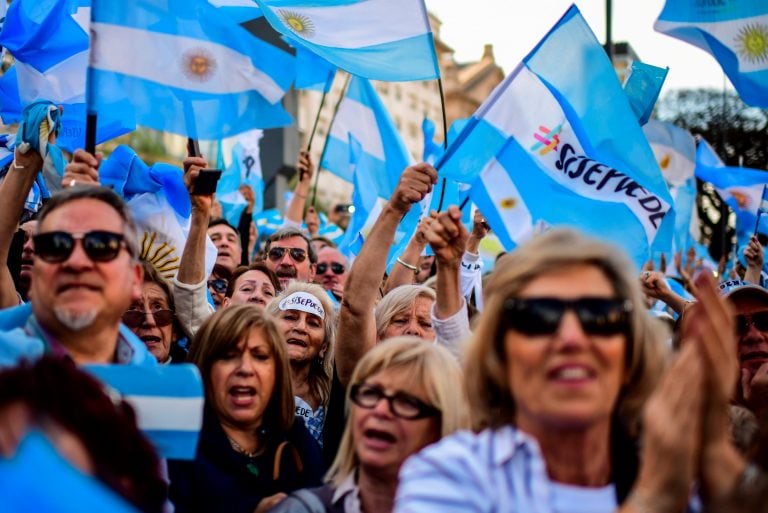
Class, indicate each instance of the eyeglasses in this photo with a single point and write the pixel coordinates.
(542, 316)
(401, 404)
(298, 255)
(100, 246)
(336, 267)
(135, 318)
(219, 285)
(757, 319)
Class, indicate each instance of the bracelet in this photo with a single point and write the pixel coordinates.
(408, 266)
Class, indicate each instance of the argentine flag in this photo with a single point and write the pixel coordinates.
(558, 143)
(734, 32)
(363, 117)
(191, 70)
(674, 149)
(378, 39)
(244, 169)
(49, 42)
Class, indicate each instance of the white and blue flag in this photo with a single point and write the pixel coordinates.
(363, 117)
(168, 400)
(733, 32)
(191, 72)
(378, 39)
(243, 169)
(50, 43)
(558, 142)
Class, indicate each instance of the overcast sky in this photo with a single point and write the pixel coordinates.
(515, 26)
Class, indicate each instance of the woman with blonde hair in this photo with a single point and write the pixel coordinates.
(405, 395)
(251, 451)
(559, 368)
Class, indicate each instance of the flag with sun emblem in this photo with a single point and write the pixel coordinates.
(377, 39)
(740, 187)
(542, 148)
(674, 149)
(734, 32)
(186, 68)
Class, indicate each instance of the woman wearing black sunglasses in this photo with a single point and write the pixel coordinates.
(559, 369)
(153, 319)
(405, 395)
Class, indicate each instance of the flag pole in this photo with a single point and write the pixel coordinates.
(445, 138)
(328, 136)
(90, 119)
(331, 76)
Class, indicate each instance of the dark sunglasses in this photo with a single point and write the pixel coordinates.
(219, 285)
(757, 319)
(336, 267)
(298, 255)
(401, 404)
(100, 246)
(135, 318)
(542, 316)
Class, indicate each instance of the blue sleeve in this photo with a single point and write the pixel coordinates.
(444, 477)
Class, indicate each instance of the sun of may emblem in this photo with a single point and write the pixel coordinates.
(160, 254)
(298, 22)
(198, 64)
(508, 203)
(752, 43)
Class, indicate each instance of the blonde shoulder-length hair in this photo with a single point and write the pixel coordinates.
(322, 367)
(486, 363)
(222, 332)
(430, 367)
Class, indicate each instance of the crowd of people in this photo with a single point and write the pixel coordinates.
(334, 385)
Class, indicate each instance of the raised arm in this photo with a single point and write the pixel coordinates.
(405, 270)
(357, 329)
(13, 193)
(189, 285)
(655, 285)
(753, 254)
(448, 238)
(306, 169)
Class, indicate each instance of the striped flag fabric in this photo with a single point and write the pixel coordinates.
(168, 400)
(376, 39)
(735, 33)
(192, 71)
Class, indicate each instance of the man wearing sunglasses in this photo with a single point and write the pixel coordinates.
(84, 277)
(331, 271)
(290, 255)
(751, 307)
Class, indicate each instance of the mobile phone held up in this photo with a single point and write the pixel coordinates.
(206, 182)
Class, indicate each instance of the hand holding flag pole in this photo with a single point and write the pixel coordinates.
(762, 209)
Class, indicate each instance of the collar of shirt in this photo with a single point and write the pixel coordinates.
(348, 492)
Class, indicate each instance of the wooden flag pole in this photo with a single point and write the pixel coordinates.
(330, 78)
(445, 138)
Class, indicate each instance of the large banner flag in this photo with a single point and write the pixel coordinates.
(557, 142)
(50, 43)
(239, 10)
(191, 72)
(244, 169)
(734, 32)
(377, 39)
(363, 117)
(168, 400)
